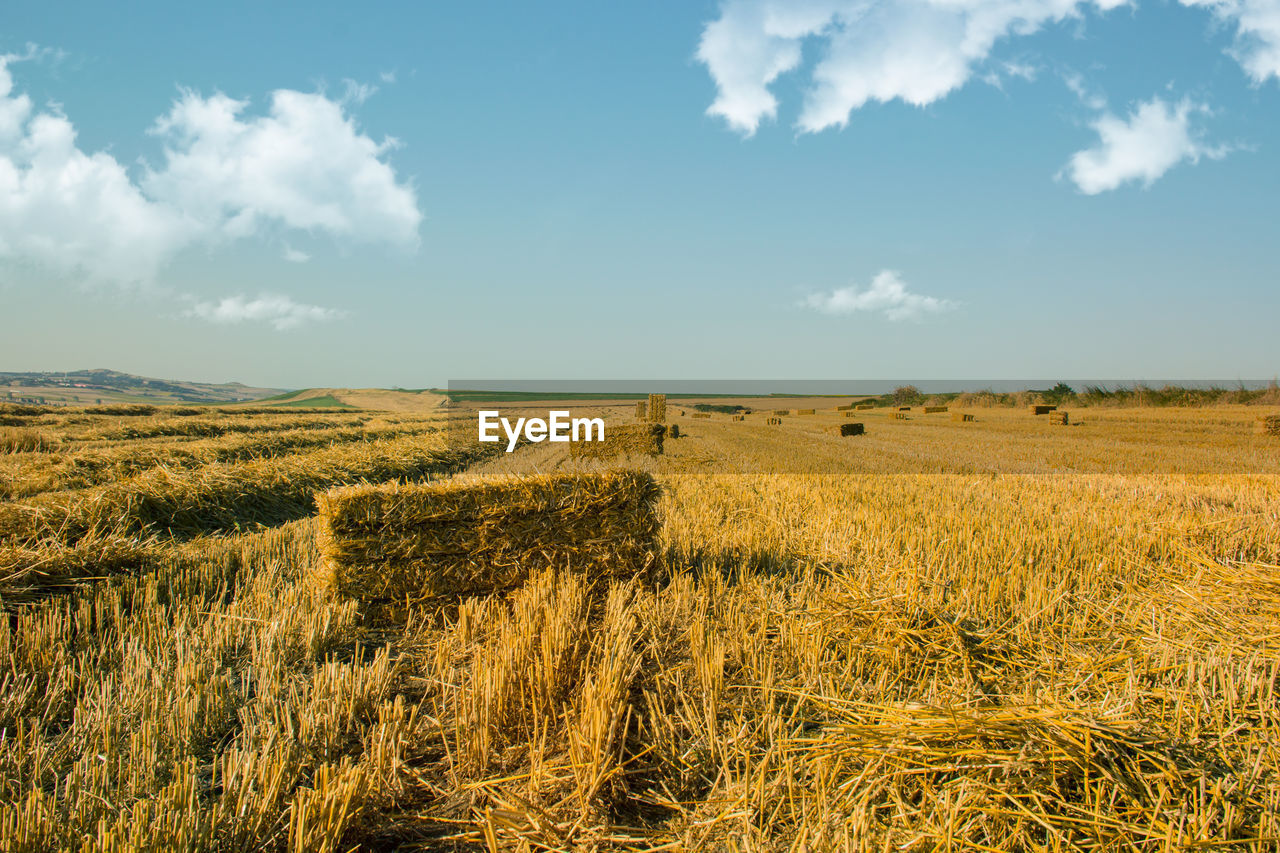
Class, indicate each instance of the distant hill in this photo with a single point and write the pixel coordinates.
(90, 387)
(376, 399)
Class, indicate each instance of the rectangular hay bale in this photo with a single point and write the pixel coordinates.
(961, 417)
(641, 409)
(1058, 418)
(773, 421)
(619, 439)
(804, 411)
(862, 407)
(852, 429)
(934, 410)
(658, 408)
(427, 542)
(899, 416)
(700, 415)
(782, 411)
(1042, 410)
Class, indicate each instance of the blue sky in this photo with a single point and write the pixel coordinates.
(399, 195)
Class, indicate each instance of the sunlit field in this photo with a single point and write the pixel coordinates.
(1002, 634)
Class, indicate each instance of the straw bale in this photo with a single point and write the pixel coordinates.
(1042, 410)
(641, 409)
(658, 408)
(622, 438)
(862, 407)
(851, 429)
(904, 408)
(427, 542)
(700, 415)
(739, 418)
(934, 410)
(1058, 418)
(782, 411)
(961, 417)
(1269, 425)
(899, 416)
(804, 411)
(851, 414)
(773, 421)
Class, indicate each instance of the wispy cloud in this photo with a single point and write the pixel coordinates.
(280, 312)
(1155, 137)
(302, 165)
(872, 50)
(887, 295)
(1257, 23)
(295, 256)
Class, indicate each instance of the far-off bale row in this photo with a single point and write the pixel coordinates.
(804, 411)
(419, 544)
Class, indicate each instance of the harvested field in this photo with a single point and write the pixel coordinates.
(931, 638)
(701, 415)
(427, 543)
(621, 440)
(26, 441)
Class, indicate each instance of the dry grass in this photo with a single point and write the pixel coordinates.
(977, 660)
(26, 441)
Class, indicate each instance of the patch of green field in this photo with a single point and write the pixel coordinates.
(328, 401)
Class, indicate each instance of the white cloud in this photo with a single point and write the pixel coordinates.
(281, 312)
(72, 212)
(872, 50)
(302, 166)
(887, 294)
(295, 256)
(1154, 138)
(1257, 22)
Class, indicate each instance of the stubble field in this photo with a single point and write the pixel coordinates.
(994, 635)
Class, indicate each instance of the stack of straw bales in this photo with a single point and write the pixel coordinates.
(850, 414)
(1269, 425)
(899, 416)
(804, 411)
(851, 429)
(1058, 418)
(622, 438)
(933, 410)
(1042, 410)
(427, 542)
(640, 409)
(782, 411)
(961, 417)
(739, 417)
(658, 408)
(700, 415)
(773, 421)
